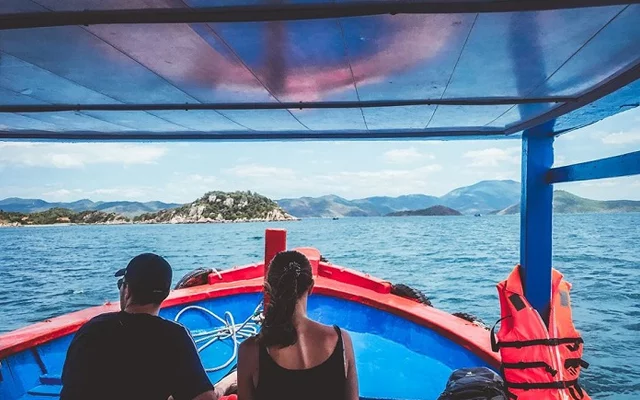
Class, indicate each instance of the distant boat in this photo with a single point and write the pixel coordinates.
(335, 218)
(477, 215)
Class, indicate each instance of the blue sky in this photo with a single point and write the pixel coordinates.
(181, 172)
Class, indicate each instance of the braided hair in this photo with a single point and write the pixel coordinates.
(288, 279)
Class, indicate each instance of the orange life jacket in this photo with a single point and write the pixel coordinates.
(538, 363)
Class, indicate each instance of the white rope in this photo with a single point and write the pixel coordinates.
(215, 271)
(228, 330)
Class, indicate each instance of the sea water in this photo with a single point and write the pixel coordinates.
(456, 261)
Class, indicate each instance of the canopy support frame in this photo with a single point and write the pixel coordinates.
(536, 215)
(287, 12)
(610, 167)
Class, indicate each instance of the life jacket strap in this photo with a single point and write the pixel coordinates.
(535, 364)
(575, 363)
(574, 388)
(573, 342)
(576, 392)
(542, 385)
(511, 395)
(495, 346)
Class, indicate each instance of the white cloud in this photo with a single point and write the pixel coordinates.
(116, 193)
(493, 157)
(77, 155)
(62, 194)
(196, 178)
(405, 156)
(622, 138)
(600, 184)
(104, 194)
(385, 174)
(382, 182)
(559, 160)
(259, 171)
(283, 182)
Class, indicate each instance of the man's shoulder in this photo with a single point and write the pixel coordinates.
(99, 321)
(105, 323)
(173, 326)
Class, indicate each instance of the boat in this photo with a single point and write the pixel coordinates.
(385, 326)
(116, 70)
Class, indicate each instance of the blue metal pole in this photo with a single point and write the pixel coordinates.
(536, 220)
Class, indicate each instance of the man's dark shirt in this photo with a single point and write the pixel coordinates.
(132, 356)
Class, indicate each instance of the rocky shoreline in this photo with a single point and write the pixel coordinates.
(151, 222)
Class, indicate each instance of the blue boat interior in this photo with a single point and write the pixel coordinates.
(396, 358)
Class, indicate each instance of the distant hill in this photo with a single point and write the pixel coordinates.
(324, 207)
(220, 207)
(483, 197)
(381, 205)
(126, 208)
(567, 203)
(431, 211)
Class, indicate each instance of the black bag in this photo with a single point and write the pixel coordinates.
(474, 384)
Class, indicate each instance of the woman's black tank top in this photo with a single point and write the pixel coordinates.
(325, 381)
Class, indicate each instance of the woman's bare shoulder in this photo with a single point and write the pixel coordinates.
(250, 343)
(249, 348)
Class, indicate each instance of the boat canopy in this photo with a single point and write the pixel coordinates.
(312, 69)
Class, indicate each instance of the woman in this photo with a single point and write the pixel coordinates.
(295, 357)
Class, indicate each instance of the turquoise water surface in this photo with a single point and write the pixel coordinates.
(456, 261)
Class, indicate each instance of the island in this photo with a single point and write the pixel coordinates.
(213, 207)
(220, 207)
(431, 211)
(60, 216)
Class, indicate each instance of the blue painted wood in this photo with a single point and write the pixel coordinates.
(536, 221)
(387, 345)
(626, 164)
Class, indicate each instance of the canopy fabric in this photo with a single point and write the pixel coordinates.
(452, 74)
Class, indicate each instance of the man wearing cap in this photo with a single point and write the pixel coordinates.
(134, 353)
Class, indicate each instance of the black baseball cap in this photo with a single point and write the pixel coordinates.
(148, 273)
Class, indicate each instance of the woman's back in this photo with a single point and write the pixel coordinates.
(294, 357)
(313, 368)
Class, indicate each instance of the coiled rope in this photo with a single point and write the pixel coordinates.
(229, 330)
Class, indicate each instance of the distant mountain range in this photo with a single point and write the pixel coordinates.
(565, 202)
(482, 197)
(125, 208)
(486, 197)
(439, 211)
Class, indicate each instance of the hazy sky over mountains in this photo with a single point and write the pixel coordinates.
(180, 172)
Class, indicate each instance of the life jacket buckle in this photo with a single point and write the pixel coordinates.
(550, 370)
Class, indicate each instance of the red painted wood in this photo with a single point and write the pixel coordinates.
(353, 277)
(237, 274)
(332, 281)
(313, 255)
(275, 241)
